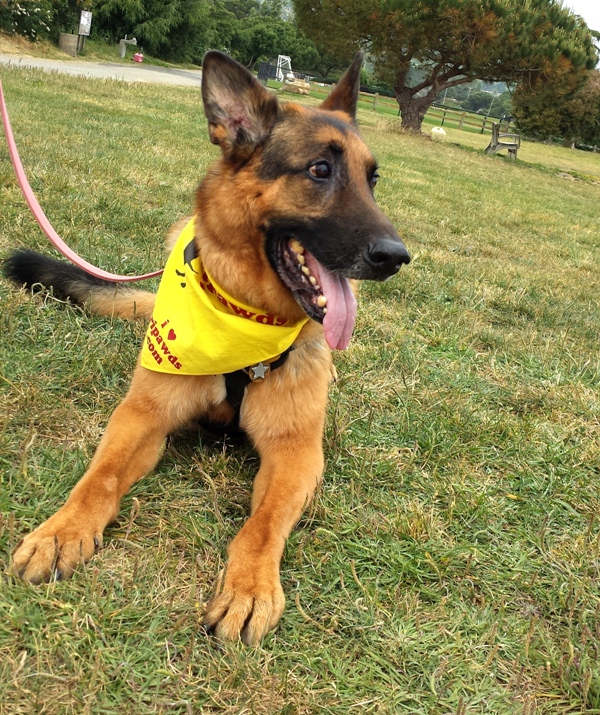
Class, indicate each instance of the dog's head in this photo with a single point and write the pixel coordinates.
(309, 181)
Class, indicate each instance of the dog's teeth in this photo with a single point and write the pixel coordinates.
(324, 311)
(296, 246)
(312, 280)
(300, 258)
(305, 271)
(321, 301)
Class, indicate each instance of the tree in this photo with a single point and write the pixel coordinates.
(221, 27)
(421, 47)
(178, 30)
(479, 101)
(546, 114)
(336, 42)
(503, 106)
(37, 19)
(262, 37)
(31, 19)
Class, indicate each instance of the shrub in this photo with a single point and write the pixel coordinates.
(32, 18)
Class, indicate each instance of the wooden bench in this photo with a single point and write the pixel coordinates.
(503, 140)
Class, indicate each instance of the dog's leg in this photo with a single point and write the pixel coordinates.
(250, 601)
(155, 405)
(287, 430)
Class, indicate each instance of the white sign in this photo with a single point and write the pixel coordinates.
(85, 23)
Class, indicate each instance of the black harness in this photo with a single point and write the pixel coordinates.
(237, 382)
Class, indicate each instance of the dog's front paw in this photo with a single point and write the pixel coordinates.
(333, 375)
(248, 603)
(55, 549)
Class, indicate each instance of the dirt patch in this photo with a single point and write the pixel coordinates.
(568, 177)
(19, 45)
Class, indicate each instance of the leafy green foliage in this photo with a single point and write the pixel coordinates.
(41, 19)
(66, 15)
(163, 27)
(421, 48)
(31, 18)
(547, 113)
(334, 27)
(492, 105)
(263, 37)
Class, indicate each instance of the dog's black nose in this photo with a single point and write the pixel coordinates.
(385, 257)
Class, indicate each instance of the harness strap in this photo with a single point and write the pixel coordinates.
(237, 382)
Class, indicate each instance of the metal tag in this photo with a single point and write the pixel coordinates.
(259, 371)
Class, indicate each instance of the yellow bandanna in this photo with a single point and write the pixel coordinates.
(198, 329)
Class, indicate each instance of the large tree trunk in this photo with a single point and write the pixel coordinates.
(412, 110)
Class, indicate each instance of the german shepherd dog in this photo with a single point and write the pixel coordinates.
(284, 221)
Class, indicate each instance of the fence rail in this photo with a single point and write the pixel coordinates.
(462, 119)
(436, 114)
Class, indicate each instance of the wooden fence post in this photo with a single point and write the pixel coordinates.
(462, 119)
(443, 118)
(374, 107)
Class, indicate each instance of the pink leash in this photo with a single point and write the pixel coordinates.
(40, 216)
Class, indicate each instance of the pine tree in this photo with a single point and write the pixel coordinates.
(421, 47)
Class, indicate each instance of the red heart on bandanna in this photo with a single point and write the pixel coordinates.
(171, 335)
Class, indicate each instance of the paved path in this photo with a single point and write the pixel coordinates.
(133, 72)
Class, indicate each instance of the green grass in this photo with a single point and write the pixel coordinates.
(451, 562)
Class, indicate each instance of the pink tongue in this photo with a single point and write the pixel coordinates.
(341, 305)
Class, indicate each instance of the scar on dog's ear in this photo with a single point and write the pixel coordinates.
(344, 95)
(239, 110)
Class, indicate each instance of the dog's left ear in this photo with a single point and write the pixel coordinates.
(240, 111)
(344, 96)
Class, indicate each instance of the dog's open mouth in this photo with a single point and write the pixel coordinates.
(324, 296)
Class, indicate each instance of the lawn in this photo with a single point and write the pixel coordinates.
(451, 562)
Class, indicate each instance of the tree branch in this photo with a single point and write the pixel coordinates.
(432, 79)
(461, 80)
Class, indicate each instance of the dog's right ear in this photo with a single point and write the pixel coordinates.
(239, 110)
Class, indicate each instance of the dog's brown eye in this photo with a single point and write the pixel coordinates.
(320, 170)
(374, 179)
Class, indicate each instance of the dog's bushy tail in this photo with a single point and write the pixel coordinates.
(38, 272)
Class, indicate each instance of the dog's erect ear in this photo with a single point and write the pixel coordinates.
(239, 110)
(344, 95)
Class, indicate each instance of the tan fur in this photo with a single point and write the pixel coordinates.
(283, 415)
(126, 303)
